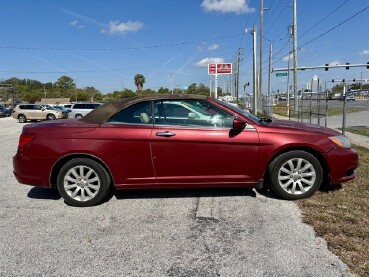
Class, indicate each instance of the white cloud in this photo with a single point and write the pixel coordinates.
(213, 47)
(364, 53)
(76, 24)
(288, 57)
(225, 6)
(116, 27)
(204, 62)
(334, 63)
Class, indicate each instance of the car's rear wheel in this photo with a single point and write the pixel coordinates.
(295, 175)
(83, 182)
(78, 116)
(22, 118)
(50, 117)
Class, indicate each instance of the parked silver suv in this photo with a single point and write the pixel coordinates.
(79, 110)
(24, 112)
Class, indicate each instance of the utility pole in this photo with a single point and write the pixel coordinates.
(290, 32)
(238, 71)
(261, 48)
(295, 58)
(234, 77)
(171, 82)
(255, 75)
(270, 96)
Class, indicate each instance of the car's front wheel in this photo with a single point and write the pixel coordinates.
(22, 118)
(50, 117)
(83, 182)
(295, 175)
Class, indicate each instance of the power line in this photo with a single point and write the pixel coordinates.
(322, 34)
(320, 21)
(120, 48)
(335, 27)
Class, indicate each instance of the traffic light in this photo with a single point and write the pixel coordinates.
(332, 80)
(326, 68)
(347, 67)
(354, 80)
(367, 65)
(343, 80)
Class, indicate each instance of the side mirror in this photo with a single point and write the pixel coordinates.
(238, 124)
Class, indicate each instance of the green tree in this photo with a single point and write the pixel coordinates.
(32, 96)
(337, 88)
(65, 83)
(164, 90)
(139, 81)
(147, 92)
(192, 89)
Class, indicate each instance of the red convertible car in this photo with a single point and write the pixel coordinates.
(179, 141)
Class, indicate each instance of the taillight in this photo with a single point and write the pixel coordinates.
(25, 139)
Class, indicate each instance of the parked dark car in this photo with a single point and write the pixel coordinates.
(3, 111)
(179, 141)
(9, 111)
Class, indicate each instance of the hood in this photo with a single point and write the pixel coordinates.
(300, 126)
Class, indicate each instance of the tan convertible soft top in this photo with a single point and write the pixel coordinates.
(104, 112)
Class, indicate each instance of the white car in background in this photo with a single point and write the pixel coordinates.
(79, 110)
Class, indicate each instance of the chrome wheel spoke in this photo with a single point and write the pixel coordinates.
(75, 192)
(299, 162)
(285, 177)
(89, 192)
(302, 189)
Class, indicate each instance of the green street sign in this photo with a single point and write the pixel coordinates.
(281, 74)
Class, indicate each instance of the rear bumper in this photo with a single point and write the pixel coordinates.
(342, 164)
(34, 172)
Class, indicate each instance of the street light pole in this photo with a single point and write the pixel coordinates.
(295, 58)
(255, 87)
(171, 82)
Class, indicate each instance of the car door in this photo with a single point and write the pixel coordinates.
(36, 112)
(202, 150)
(128, 150)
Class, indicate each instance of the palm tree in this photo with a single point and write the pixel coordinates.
(139, 81)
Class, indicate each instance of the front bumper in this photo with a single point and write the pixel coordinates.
(342, 163)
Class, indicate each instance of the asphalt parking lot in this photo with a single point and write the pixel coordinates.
(231, 232)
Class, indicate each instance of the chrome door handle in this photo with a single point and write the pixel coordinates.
(165, 134)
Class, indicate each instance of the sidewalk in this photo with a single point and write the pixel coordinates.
(359, 140)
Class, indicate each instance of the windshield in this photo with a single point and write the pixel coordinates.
(241, 111)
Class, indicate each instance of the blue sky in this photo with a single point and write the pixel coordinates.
(104, 43)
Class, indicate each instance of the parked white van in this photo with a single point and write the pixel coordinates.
(79, 110)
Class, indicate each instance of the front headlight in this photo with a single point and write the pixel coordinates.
(341, 141)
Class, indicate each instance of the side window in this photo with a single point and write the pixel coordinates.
(37, 107)
(136, 114)
(191, 113)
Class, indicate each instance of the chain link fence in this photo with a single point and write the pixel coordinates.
(349, 114)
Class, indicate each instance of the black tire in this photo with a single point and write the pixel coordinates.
(295, 175)
(78, 116)
(83, 182)
(22, 118)
(50, 117)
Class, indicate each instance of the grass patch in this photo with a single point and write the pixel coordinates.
(281, 109)
(341, 217)
(360, 130)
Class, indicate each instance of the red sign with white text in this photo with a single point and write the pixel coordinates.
(219, 68)
(212, 68)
